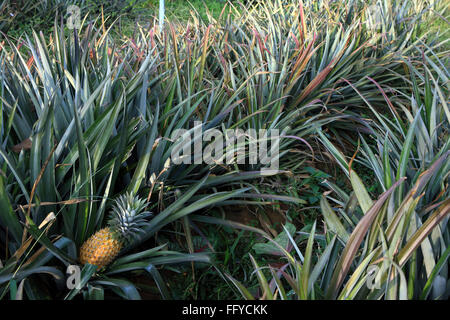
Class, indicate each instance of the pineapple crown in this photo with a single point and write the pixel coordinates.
(127, 217)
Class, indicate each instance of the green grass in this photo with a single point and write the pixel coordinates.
(439, 27)
(230, 246)
(175, 10)
(231, 256)
(181, 9)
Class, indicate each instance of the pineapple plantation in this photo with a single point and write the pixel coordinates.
(98, 99)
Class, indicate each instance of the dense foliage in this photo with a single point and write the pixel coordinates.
(358, 89)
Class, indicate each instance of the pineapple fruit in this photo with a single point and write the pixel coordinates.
(125, 223)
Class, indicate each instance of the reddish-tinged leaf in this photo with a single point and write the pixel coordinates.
(415, 241)
(355, 241)
(316, 81)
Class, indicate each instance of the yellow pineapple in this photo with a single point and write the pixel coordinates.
(125, 223)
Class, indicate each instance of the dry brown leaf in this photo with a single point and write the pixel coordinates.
(24, 145)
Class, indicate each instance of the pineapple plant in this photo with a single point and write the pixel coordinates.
(126, 221)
